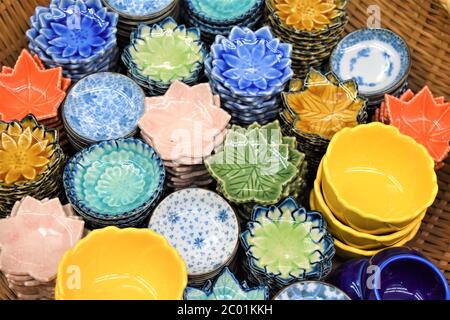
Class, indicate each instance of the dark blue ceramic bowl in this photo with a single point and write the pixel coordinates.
(348, 277)
(404, 274)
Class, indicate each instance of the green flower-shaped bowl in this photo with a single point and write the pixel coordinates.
(287, 243)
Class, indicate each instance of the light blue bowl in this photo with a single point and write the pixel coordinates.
(115, 180)
(311, 290)
(378, 59)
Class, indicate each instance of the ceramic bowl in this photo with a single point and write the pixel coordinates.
(378, 59)
(139, 9)
(323, 105)
(163, 53)
(288, 243)
(246, 174)
(60, 38)
(349, 277)
(201, 225)
(140, 265)
(226, 287)
(404, 274)
(94, 108)
(311, 290)
(353, 185)
(424, 118)
(116, 180)
(355, 238)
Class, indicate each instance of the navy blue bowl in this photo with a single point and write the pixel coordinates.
(403, 274)
(349, 276)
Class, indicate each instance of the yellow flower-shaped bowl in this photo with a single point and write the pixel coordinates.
(377, 180)
(121, 264)
(354, 238)
(27, 151)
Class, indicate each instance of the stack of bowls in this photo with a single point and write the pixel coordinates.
(249, 70)
(369, 197)
(422, 117)
(316, 109)
(165, 52)
(114, 183)
(79, 36)
(220, 16)
(134, 12)
(257, 165)
(31, 88)
(102, 106)
(285, 244)
(129, 264)
(377, 59)
(31, 162)
(203, 228)
(313, 27)
(184, 127)
(33, 240)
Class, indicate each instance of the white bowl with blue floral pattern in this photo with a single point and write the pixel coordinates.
(311, 290)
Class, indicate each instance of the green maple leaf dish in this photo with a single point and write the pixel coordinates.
(288, 243)
(256, 164)
(226, 287)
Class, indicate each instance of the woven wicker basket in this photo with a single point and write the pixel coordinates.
(422, 23)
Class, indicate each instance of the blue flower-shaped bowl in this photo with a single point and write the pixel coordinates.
(116, 182)
(103, 106)
(226, 287)
(251, 64)
(288, 211)
(73, 31)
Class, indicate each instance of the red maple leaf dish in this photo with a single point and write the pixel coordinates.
(422, 117)
(30, 88)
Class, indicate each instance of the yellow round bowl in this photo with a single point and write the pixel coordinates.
(377, 180)
(121, 264)
(351, 237)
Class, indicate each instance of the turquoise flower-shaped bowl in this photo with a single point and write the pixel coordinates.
(115, 181)
(226, 287)
(287, 243)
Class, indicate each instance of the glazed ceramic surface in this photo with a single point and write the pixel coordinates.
(256, 164)
(165, 52)
(354, 237)
(186, 122)
(311, 290)
(353, 185)
(324, 106)
(223, 10)
(139, 8)
(29, 88)
(288, 242)
(404, 274)
(424, 119)
(306, 15)
(35, 237)
(157, 271)
(73, 31)
(114, 179)
(378, 59)
(226, 287)
(27, 150)
(201, 225)
(349, 277)
(104, 106)
(251, 63)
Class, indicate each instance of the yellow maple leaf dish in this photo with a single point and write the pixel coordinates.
(324, 105)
